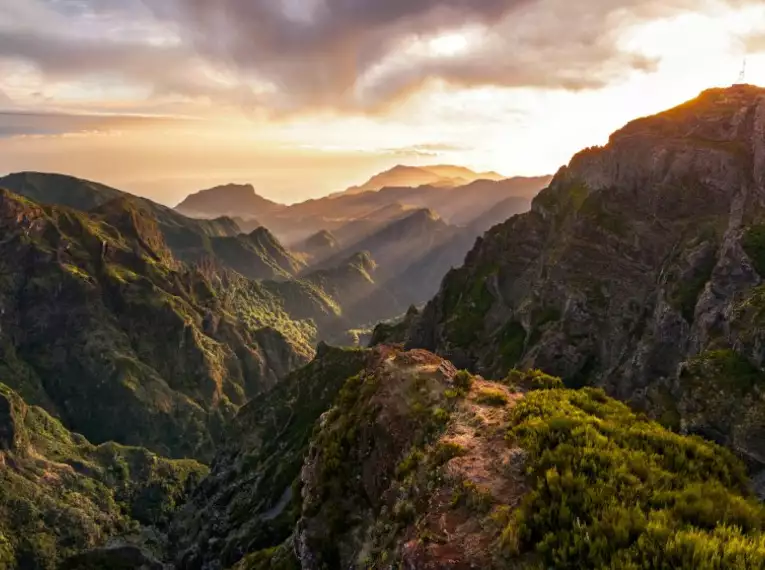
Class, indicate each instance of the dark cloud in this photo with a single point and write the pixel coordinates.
(303, 55)
(318, 53)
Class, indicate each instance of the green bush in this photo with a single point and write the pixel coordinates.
(530, 380)
(610, 490)
(492, 397)
(463, 380)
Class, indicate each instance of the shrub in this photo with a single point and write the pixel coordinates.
(531, 380)
(492, 397)
(463, 380)
(609, 490)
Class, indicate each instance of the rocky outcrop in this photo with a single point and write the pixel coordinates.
(420, 466)
(640, 256)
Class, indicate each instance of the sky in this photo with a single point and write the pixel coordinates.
(306, 97)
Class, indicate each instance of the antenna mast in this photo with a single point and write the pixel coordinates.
(742, 75)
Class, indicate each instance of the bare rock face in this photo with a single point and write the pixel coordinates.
(640, 257)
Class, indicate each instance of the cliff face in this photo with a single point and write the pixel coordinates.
(105, 330)
(642, 259)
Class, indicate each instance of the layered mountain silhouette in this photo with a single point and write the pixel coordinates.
(457, 194)
(444, 176)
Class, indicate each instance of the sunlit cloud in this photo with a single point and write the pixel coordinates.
(334, 87)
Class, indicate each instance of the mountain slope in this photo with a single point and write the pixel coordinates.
(59, 189)
(257, 255)
(401, 242)
(319, 246)
(60, 495)
(188, 238)
(229, 200)
(639, 269)
(94, 308)
(413, 464)
(248, 503)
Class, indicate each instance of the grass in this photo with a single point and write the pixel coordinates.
(511, 341)
(725, 369)
(530, 380)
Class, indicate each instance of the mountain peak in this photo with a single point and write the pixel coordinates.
(227, 200)
(401, 175)
(717, 114)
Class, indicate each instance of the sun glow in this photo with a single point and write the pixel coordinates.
(448, 45)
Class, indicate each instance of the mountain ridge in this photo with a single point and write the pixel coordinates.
(636, 270)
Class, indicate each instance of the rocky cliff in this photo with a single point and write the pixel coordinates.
(640, 269)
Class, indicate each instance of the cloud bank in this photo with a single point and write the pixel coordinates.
(343, 56)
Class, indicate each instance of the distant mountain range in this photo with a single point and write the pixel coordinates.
(363, 257)
(412, 233)
(444, 176)
(457, 194)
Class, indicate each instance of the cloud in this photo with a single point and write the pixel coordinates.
(340, 55)
(427, 150)
(20, 123)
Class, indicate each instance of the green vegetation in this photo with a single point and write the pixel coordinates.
(687, 292)
(753, 243)
(463, 381)
(725, 370)
(60, 495)
(530, 380)
(610, 490)
(595, 210)
(466, 304)
(270, 439)
(278, 558)
(169, 353)
(492, 397)
(355, 450)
